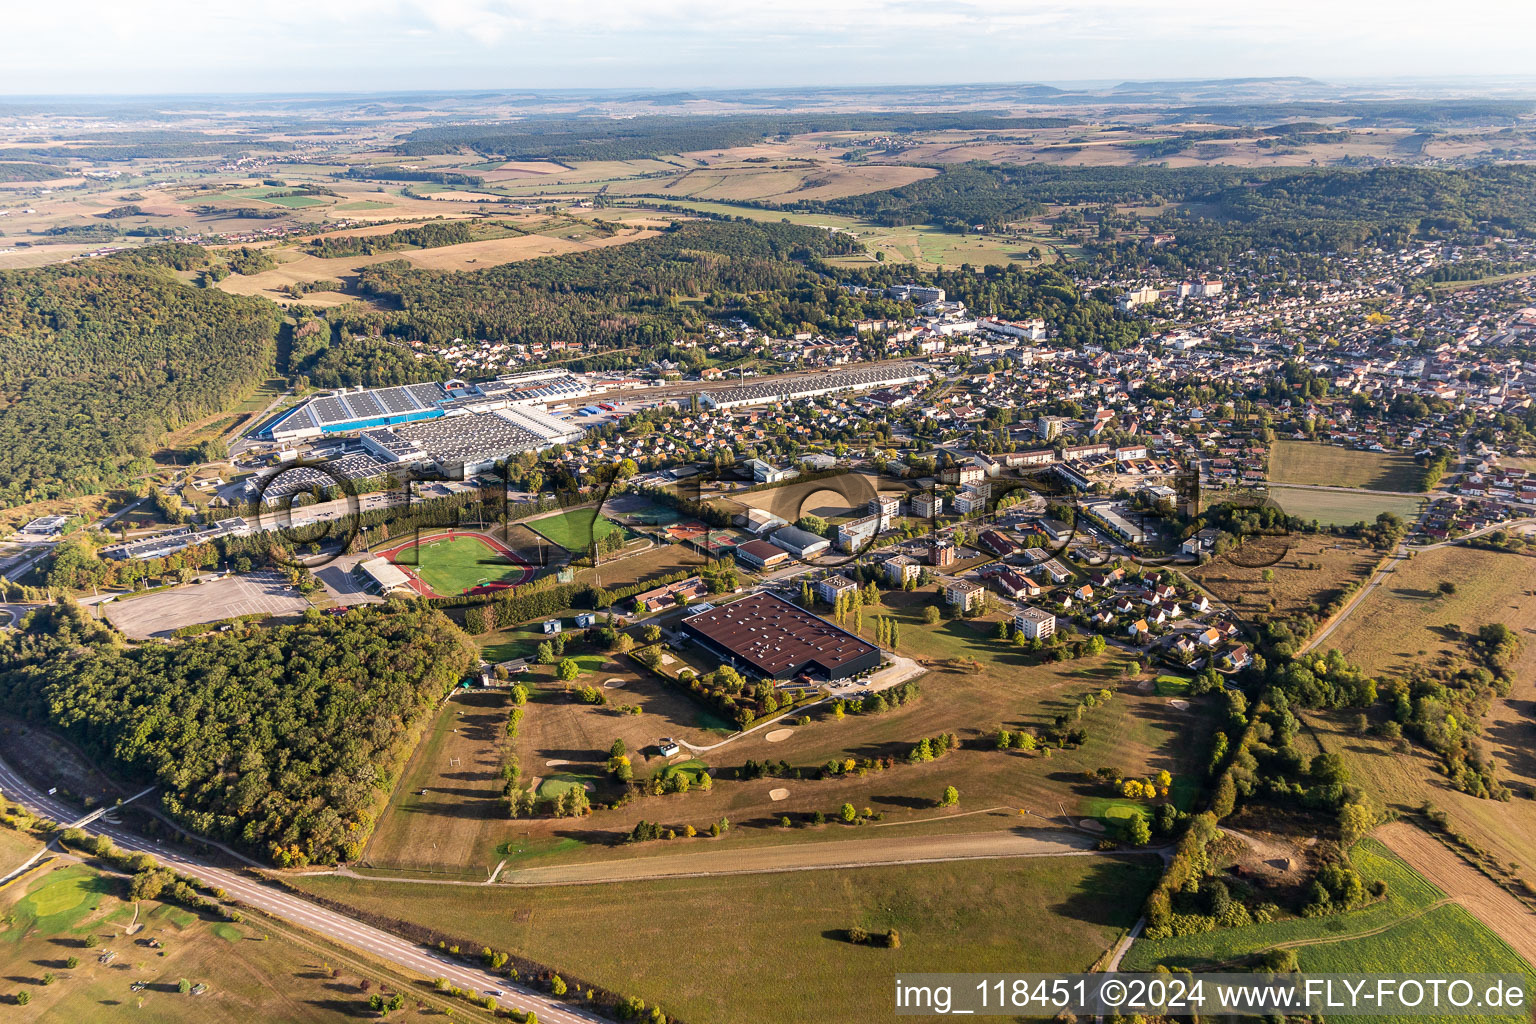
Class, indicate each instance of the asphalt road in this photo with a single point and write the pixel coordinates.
(303, 913)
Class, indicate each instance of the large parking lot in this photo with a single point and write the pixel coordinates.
(160, 613)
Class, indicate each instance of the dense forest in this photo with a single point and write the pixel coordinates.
(31, 172)
(99, 360)
(635, 138)
(332, 357)
(279, 740)
(371, 173)
(623, 295)
(425, 236)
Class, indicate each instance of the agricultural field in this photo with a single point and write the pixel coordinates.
(775, 181)
(1311, 462)
(1344, 508)
(575, 530)
(253, 970)
(921, 244)
(660, 939)
(1313, 569)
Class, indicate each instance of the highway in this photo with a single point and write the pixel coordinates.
(298, 911)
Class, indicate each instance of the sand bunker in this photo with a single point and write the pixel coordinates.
(555, 764)
(1091, 824)
(1145, 686)
(614, 683)
(680, 758)
(778, 794)
(1182, 705)
(779, 735)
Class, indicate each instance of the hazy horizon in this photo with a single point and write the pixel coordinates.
(176, 47)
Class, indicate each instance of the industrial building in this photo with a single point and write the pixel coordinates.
(783, 390)
(769, 637)
(801, 543)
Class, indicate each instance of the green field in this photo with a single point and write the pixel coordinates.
(1171, 686)
(575, 530)
(1344, 508)
(364, 204)
(453, 566)
(293, 202)
(1310, 462)
(749, 949)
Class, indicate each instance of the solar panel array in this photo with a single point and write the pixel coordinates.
(363, 405)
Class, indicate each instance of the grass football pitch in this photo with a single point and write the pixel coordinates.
(574, 530)
(453, 566)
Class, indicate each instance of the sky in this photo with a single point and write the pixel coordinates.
(170, 46)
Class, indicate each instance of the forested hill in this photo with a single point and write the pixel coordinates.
(99, 360)
(635, 138)
(632, 294)
(279, 740)
(1308, 209)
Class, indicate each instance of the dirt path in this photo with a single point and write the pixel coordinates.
(851, 853)
(1478, 894)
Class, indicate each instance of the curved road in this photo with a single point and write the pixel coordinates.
(295, 910)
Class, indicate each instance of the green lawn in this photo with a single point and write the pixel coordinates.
(293, 202)
(66, 897)
(575, 530)
(1171, 686)
(1343, 508)
(453, 566)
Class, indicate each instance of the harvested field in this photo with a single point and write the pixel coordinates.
(299, 267)
(1401, 623)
